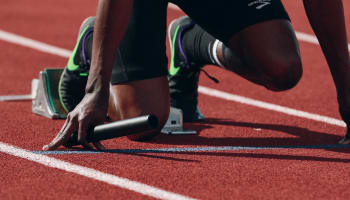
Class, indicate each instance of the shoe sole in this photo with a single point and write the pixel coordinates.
(172, 23)
(199, 116)
(169, 36)
(83, 26)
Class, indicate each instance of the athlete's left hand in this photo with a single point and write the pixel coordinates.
(345, 114)
(91, 111)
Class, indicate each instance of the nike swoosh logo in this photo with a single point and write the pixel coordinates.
(262, 5)
(173, 69)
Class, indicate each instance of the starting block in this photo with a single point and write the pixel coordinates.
(174, 125)
(46, 102)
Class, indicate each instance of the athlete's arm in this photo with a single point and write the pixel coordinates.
(110, 25)
(327, 20)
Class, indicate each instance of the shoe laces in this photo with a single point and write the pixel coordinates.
(210, 76)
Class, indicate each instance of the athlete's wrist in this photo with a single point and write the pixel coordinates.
(97, 84)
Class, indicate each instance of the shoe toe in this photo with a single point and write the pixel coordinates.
(195, 116)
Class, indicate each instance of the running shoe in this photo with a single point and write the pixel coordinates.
(183, 74)
(74, 76)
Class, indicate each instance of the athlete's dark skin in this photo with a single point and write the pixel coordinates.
(279, 68)
(110, 25)
(327, 21)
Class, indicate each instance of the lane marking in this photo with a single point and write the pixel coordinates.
(270, 106)
(26, 97)
(40, 46)
(92, 173)
(16, 97)
(46, 48)
(196, 149)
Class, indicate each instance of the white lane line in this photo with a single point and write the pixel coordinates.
(310, 38)
(269, 106)
(195, 149)
(25, 97)
(16, 97)
(40, 46)
(92, 173)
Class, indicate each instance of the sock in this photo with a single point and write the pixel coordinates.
(200, 47)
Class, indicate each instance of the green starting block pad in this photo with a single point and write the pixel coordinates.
(46, 102)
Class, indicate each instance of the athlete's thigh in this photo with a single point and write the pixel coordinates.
(270, 46)
(223, 19)
(135, 98)
(142, 52)
(143, 97)
(258, 32)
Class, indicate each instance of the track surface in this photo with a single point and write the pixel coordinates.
(290, 157)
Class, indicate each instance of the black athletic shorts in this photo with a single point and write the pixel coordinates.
(142, 52)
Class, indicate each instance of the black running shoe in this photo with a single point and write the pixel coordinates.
(74, 77)
(183, 74)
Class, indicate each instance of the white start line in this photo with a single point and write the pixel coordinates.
(91, 173)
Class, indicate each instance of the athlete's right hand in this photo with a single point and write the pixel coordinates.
(91, 111)
(345, 114)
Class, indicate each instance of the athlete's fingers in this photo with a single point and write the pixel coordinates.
(82, 134)
(99, 146)
(59, 135)
(62, 137)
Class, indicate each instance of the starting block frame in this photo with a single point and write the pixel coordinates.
(174, 125)
(46, 102)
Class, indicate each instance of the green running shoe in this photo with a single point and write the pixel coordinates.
(74, 77)
(183, 74)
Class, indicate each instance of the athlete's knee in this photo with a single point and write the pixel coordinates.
(162, 115)
(286, 74)
(143, 97)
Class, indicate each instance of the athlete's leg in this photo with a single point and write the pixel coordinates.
(142, 97)
(265, 51)
(258, 43)
(138, 83)
(139, 78)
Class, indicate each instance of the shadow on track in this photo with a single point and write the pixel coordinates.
(302, 139)
(301, 136)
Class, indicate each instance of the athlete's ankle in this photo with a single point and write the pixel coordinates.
(199, 45)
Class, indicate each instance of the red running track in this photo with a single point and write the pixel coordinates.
(287, 173)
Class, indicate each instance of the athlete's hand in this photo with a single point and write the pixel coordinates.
(91, 111)
(346, 139)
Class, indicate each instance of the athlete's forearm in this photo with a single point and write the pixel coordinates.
(327, 20)
(112, 18)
